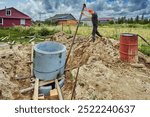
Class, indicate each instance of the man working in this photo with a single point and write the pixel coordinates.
(94, 19)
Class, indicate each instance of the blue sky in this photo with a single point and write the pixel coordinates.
(104, 8)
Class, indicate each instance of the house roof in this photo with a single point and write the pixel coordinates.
(62, 17)
(14, 15)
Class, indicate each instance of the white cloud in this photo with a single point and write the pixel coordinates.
(104, 8)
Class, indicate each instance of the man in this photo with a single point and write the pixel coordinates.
(94, 19)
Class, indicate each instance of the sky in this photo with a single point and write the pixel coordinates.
(42, 9)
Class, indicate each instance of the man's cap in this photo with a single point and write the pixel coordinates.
(90, 10)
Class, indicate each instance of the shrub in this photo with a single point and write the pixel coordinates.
(43, 32)
(29, 31)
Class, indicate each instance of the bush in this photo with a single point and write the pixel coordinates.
(43, 32)
(29, 31)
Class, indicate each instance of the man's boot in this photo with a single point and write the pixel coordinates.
(93, 38)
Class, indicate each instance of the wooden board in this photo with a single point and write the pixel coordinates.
(41, 97)
(58, 90)
(36, 90)
(42, 83)
(32, 55)
(54, 94)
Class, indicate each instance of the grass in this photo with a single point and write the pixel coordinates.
(24, 34)
(20, 34)
(114, 31)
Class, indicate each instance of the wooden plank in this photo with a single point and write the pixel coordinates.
(32, 55)
(23, 78)
(74, 87)
(42, 83)
(54, 94)
(36, 90)
(41, 97)
(29, 62)
(137, 65)
(27, 89)
(32, 87)
(59, 90)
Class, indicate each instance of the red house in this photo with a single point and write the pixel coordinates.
(12, 17)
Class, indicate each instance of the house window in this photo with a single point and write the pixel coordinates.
(8, 12)
(1, 21)
(22, 22)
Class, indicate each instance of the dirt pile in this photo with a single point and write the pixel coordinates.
(13, 64)
(102, 75)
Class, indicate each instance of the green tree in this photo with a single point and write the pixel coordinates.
(111, 22)
(142, 18)
(145, 21)
(130, 20)
(137, 19)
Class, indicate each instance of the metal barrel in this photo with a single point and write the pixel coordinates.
(128, 47)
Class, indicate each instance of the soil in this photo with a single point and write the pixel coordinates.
(13, 64)
(102, 75)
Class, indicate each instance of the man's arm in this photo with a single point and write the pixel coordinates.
(89, 16)
(86, 9)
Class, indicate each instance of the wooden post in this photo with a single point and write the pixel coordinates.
(36, 90)
(62, 26)
(58, 90)
(74, 37)
(144, 40)
(32, 55)
(74, 87)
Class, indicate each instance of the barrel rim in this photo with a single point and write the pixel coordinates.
(128, 34)
(45, 52)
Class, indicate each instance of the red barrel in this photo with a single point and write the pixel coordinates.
(128, 47)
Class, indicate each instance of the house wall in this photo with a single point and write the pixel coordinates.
(67, 22)
(14, 18)
(10, 22)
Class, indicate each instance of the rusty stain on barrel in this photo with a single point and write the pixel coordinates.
(128, 47)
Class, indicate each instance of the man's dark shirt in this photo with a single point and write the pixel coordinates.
(95, 19)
